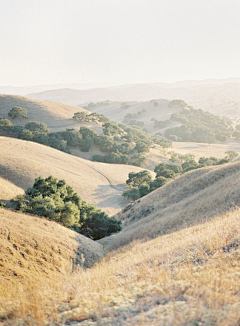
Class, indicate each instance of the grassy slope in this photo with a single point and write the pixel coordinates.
(187, 200)
(190, 277)
(99, 183)
(116, 112)
(9, 190)
(36, 252)
(57, 116)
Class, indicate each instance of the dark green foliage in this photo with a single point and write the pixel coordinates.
(132, 193)
(55, 200)
(72, 138)
(92, 118)
(135, 179)
(2, 204)
(199, 126)
(138, 184)
(37, 127)
(137, 160)
(18, 113)
(80, 116)
(99, 225)
(89, 137)
(157, 183)
(141, 183)
(112, 129)
(5, 122)
(167, 170)
(105, 143)
(116, 158)
(162, 141)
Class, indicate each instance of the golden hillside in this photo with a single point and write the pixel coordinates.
(187, 200)
(9, 190)
(189, 277)
(35, 251)
(98, 183)
(57, 116)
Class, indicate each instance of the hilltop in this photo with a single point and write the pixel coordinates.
(57, 116)
(216, 96)
(98, 183)
(187, 200)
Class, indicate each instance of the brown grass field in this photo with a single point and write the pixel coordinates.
(98, 183)
(9, 190)
(57, 116)
(176, 261)
(189, 277)
(187, 200)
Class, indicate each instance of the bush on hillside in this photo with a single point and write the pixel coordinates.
(37, 127)
(57, 201)
(18, 113)
(5, 123)
(199, 126)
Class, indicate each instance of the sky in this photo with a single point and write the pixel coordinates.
(117, 41)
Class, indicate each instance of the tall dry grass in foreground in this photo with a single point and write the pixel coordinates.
(191, 277)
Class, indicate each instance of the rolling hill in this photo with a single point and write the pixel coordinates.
(187, 200)
(57, 116)
(98, 183)
(217, 96)
(35, 253)
(142, 112)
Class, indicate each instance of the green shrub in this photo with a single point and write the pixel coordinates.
(18, 113)
(5, 122)
(2, 204)
(55, 200)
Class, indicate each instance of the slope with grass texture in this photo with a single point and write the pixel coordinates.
(187, 200)
(35, 253)
(57, 116)
(9, 190)
(189, 277)
(98, 183)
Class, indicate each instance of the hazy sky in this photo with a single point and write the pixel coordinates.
(117, 41)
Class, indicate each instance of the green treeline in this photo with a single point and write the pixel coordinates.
(141, 183)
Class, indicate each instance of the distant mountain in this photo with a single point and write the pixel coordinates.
(217, 96)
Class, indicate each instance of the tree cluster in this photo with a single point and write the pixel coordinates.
(57, 201)
(141, 183)
(199, 126)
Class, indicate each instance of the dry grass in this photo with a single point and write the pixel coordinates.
(8, 190)
(37, 256)
(57, 116)
(98, 183)
(188, 278)
(187, 200)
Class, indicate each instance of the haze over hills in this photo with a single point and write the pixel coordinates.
(98, 183)
(217, 96)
